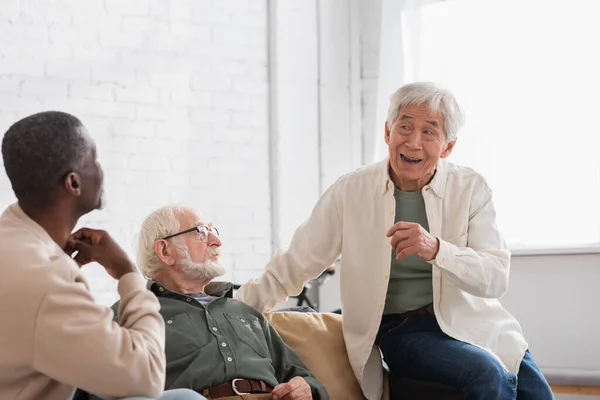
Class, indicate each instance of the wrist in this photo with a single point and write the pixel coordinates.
(124, 268)
(436, 249)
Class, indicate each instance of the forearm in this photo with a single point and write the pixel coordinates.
(315, 245)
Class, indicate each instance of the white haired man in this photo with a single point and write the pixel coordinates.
(417, 235)
(215, 345)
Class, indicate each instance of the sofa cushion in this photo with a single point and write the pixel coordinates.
(317, 338)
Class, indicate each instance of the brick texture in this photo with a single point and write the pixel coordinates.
(175, 94)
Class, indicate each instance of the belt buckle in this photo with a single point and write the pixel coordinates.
(235, 388)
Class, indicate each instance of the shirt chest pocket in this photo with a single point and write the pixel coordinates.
(249, 330)
(183, 336)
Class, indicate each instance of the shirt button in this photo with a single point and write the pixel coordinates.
(229, 359)
(372, 337)
(214, 329)
(390, 212)
(381, 306)
(224, 344)
(389, 246)
(161, 289)
(386, 276)
(169, 322)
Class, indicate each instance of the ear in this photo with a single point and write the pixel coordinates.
(73, 183)
(164, 252)
(448, 150)
(387, 133)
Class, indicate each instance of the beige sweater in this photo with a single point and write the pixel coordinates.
(54, 337)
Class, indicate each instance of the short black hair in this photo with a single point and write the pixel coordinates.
(39, 151)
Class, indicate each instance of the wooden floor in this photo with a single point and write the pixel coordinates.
(580, 390)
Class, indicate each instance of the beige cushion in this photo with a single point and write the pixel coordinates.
(317, 338)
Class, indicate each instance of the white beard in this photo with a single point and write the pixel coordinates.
(205, 271)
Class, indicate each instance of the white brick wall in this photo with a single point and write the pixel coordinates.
(175, 94)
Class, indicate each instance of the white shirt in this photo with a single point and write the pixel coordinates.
(351, 218)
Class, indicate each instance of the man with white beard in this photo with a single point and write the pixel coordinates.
(215, 345)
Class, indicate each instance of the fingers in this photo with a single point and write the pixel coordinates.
(296, 389)
(281, 390)
(83, 249)
(401, 236)
(91, 236)
(402, 252)
(81, 234)
(82, 259)
(400, 226)
(70, 247)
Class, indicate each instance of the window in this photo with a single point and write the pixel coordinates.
(527, 74)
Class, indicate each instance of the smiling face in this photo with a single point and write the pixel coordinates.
(416, 141)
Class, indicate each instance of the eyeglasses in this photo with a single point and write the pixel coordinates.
(203, 232)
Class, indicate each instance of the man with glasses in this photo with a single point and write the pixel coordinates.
(216, 346)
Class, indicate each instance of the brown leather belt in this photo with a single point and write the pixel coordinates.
(419, 312)
(237, 387)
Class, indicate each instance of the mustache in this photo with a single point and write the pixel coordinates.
(213, 252)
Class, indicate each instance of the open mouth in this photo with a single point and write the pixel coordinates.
(410, 160)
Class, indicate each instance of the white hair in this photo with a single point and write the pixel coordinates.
(436, 98)
(160, 223)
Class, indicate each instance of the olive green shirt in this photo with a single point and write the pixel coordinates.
(224, 340)
(410, 286)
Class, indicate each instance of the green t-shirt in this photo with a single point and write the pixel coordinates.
(410, 284)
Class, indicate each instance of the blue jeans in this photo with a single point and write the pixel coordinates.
(417, 348)
(174, 394)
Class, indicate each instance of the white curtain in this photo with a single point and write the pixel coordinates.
(527, 72)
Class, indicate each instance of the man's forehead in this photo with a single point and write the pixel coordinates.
(189, 218)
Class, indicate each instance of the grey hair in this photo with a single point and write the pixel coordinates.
(438, 100)
(158, 224)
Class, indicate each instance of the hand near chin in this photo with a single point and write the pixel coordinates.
(411, 238)
(92, 245)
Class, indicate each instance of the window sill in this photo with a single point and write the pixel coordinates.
(556, 251)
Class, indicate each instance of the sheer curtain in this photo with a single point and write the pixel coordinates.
(527, 73)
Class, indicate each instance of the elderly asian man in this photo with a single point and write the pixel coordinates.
(423, 262)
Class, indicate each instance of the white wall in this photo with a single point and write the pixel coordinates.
(175, 92)
(315, 116)
(294, 114)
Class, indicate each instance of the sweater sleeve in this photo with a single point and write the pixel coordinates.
(77, 342)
